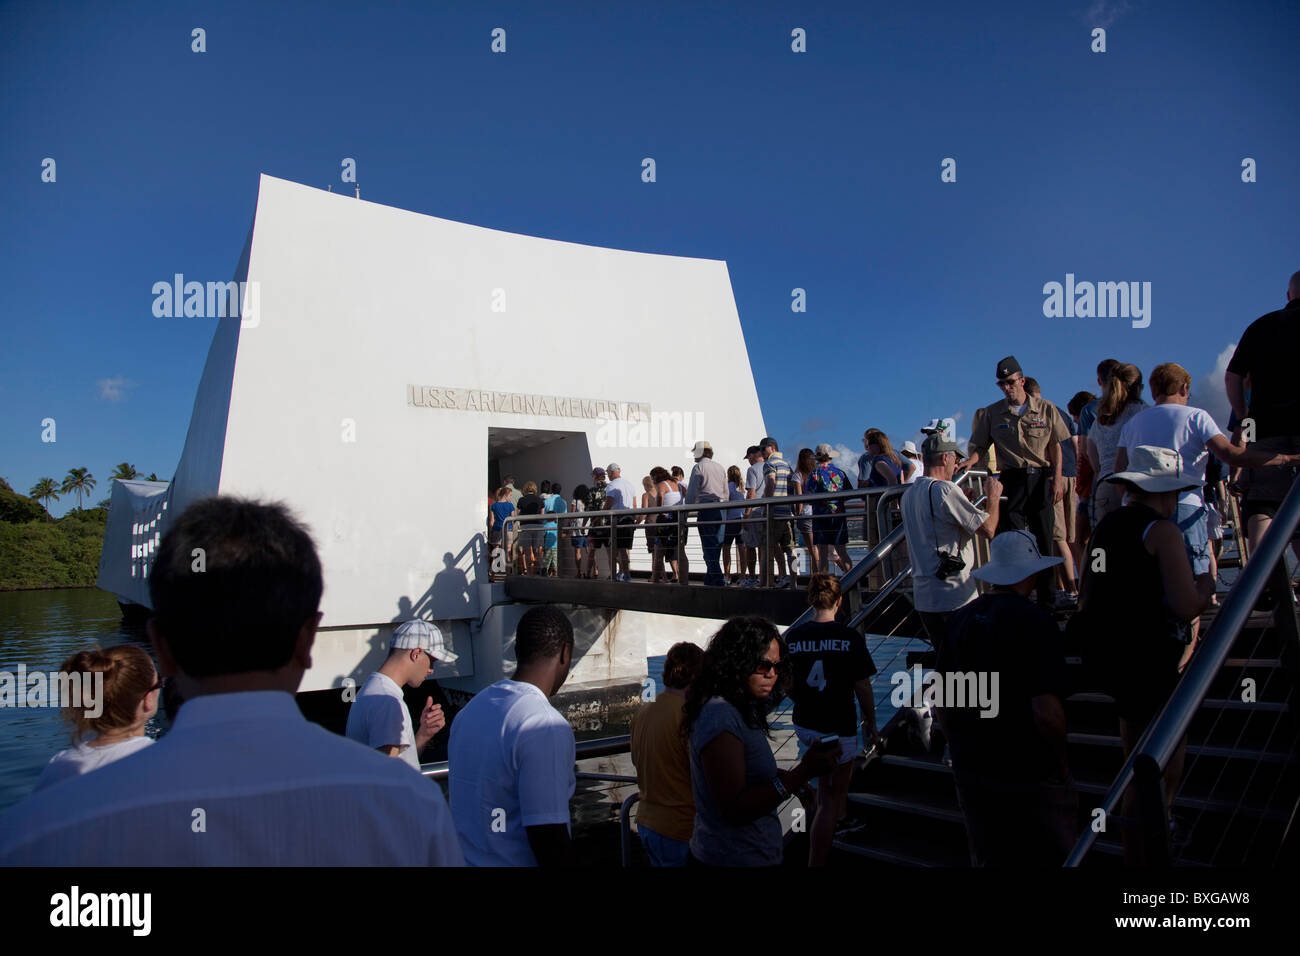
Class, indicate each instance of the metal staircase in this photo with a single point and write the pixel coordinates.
(1237, 800)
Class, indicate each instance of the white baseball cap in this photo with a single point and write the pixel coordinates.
(417, 634)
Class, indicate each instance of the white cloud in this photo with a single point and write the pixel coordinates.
(1209, 393)
(1102, 13)
(114, 389)
(846, 459)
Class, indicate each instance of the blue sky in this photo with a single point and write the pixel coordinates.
(818, 170)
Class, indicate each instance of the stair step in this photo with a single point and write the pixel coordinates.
(906, 846)
(927, 806)
(1196, 750)
(1195, 802)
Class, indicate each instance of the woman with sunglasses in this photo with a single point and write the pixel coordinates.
(121, 707)
(737, 786)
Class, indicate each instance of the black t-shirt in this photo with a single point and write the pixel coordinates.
(1132, 641)
(827, 660)
(1267, 353)
(1006, 635)
(530, 505)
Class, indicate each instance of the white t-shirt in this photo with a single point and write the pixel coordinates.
(84, 758)
(952, 530)
(916, 469)
(622, 491)
(510, 766)
(1106, 438)
(1185, 429)
(379, 718)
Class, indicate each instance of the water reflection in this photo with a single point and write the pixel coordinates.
(41, 629)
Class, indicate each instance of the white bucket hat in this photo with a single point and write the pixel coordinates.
(910, 448)
(1013, 556)
(410, 635)
(1155, 469)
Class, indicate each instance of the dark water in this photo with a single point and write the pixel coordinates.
(42, 629)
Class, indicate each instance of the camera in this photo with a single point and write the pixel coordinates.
(949, 564)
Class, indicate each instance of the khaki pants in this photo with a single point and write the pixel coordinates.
(1063, 530)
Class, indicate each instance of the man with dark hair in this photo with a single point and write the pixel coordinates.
(511, 755)
(1266, 355)
(242, 779)
(665, 815)
(776, 484)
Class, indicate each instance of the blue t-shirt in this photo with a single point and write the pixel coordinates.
(867, 469)
(1087, 416)
(554, 505)
(1068, 464)
(500, 512)
(715, 841)
(735, 494)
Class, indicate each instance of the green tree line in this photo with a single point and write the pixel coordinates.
(38, 550)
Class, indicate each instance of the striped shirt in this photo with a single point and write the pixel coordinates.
(777, 467)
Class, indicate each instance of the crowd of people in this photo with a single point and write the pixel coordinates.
(1149, 483)
(819, 527)
(242, 778)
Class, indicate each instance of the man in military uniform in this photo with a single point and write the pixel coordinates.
(1027, 433)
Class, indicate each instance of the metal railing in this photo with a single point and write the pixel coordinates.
(772, 512)
(1151, 755)
(851, 582)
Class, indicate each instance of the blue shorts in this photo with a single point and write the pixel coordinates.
(830, 529)
(1194, 522)
(662, 850)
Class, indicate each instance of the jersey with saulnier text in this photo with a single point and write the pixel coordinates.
(827, 659)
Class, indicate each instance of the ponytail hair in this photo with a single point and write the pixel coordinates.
(1122, 388)
(129, 675)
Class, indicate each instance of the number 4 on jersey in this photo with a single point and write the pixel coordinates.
(816, 676)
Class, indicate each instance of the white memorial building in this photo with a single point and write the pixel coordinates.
(389, 368)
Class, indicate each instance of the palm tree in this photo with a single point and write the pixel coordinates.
(124, 472)
(79, 482)
(153, 477)
(45, 491)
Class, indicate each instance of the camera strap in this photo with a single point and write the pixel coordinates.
(934, 531)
